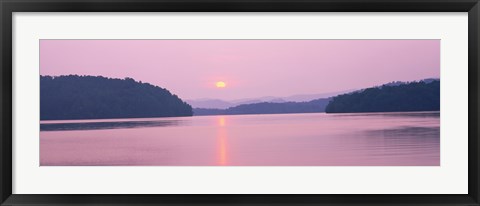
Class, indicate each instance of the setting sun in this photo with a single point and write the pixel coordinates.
(220, 84)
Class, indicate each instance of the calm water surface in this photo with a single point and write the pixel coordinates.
(374, 139)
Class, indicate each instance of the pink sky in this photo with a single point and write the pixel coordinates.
(250, 68)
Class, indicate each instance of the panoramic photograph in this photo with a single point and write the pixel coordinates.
(239, 102)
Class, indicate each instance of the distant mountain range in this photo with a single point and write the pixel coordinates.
(223, 104)
(207, 103)
(423, 95)
(210, 103)
(313, 106)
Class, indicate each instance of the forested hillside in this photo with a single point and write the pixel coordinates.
(413, 96)
(96, 97)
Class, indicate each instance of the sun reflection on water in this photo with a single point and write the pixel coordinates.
(221, 121)
(222, 141)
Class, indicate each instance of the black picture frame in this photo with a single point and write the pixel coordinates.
(7, 7)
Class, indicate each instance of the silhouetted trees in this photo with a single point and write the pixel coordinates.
(90, 97)
(313, 106)
(414, 96)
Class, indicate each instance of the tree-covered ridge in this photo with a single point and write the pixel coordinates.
(413, 96)
(313, 106)
(97, 97)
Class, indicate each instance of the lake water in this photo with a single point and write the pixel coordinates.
(318, 139)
